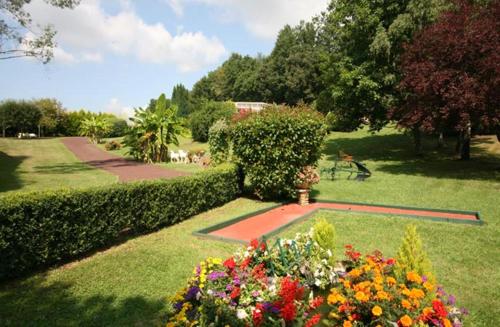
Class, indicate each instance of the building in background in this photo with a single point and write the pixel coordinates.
(250, 106)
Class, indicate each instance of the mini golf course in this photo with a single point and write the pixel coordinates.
(264, 223)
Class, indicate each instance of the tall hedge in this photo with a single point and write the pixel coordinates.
(274, 144)
(38, 229)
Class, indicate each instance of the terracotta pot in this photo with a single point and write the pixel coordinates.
(303, 186)
(303, 195)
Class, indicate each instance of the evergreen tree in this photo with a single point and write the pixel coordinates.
(412, 257)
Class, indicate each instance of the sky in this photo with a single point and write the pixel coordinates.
(115, 55)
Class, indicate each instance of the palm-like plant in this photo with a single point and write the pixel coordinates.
(95, 128)
(154, 129)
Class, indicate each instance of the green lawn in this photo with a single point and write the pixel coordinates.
(186, 143)
(28, 165)
(126, 285)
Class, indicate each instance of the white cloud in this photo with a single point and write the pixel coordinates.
(88, 31)
(263, 18)
(116, 108)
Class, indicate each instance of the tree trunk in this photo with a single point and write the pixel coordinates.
(417, 140)
(463, 145)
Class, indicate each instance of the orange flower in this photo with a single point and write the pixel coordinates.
(347, 323)
(377, 311)
(447, 323)
(347, 284)
(382, 295)
(391, 281)
(428, 286)
(413, 277)
(406, 321)
(360, 296)
(416, 293)
(355, 273)
(405, 304)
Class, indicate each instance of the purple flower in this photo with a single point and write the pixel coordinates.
(255, 293)
(178, 306)
(424, 278)
(191, 293)
(457, 323)
(268, 306)
(451, 300)
(216, 275)
(464, 311)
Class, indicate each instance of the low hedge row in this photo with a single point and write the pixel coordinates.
(43, 228)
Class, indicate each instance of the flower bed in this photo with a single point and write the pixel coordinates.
(292, 283)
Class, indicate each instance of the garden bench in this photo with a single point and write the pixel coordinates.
(346, 163)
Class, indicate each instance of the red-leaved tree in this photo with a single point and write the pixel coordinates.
(451, 74)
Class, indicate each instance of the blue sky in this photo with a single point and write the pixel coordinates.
(114, 55)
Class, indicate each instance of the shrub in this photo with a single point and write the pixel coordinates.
(112, 145)
(275, 144)
(218, 141)
(411, 255)
(38, 229)
(202, 119)
(324, 234)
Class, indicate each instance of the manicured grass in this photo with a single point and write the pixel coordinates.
(123, 286)
(39, 164)
(126, 285)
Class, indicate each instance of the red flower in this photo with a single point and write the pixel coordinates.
(439, 308)
(245, 263)
(316, 302)
(259, 272)
(257, 316)
(313, 321)
(263, 246)
(391, 261)
(356, 316)
(229, 263)
(288, 312)
(235, 293)
(348, 246)
(254, 244)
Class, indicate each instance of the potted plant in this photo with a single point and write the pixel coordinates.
(306, 177)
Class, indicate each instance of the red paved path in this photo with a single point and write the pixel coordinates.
(264, 223)
(126, 170)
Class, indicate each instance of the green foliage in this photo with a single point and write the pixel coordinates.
(203, 118)
(95, 128)
(154, 129)
(411, 256)
(42, 228)
(274, 144)
(119, 126)
(182, 99)
(324, 234)
(218, 141)
(54, 117)
(19, 117)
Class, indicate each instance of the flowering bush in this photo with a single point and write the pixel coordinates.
(292, 284)
(369, 294)
(258, 286)
(306, 177)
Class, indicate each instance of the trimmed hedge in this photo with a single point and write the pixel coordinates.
(43, 228)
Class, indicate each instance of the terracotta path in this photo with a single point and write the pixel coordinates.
(126, 170)
(273, 219)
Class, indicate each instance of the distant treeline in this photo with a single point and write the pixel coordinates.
(48, 117)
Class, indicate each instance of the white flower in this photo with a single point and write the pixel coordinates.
(241, 314)
(317, 282)
(329, 252)
(210, 292)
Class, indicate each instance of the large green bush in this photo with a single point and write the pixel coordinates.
(203, 118)
(274, 144)
(38, 229)
(218, 141)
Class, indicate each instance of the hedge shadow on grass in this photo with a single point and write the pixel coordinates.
(53, 304)
(395, 155)
(63, 168)
(9, 177)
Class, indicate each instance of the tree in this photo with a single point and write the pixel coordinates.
(153, 130)
(181, 98)
(74, 120)
(53, 116)
(19, 117)
(451, 74)
(363, 40)
(17, 38)
(95, 127)
(201, 120)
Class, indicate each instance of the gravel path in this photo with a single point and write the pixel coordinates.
(126, 170)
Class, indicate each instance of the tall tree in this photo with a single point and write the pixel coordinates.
(451, 72)
(364, 40)
(17, 36)
(53, 116)
(19, 117)
(181, 98)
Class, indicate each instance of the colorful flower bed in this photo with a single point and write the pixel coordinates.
(292, 283)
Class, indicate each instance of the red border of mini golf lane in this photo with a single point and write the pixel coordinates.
(265, 223)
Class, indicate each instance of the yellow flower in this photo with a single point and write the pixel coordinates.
(427, 311)
(377, 311)
(382, 295)
(333, 315)
(413, 277)
(405, 304)
(360, 296)
(355, 273)
(391, 281)
(378, 280)
(428, 286)
(347, 284)
(347, 323)
(416, 293)
(406, 321)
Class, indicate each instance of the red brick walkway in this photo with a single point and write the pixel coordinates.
(126, 170)
(267, 222)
